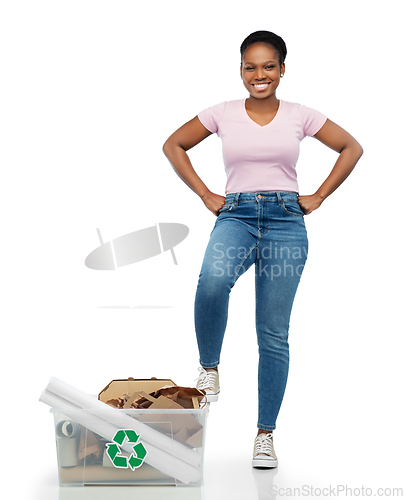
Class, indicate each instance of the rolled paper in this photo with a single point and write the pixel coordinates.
(137, 246)
(67, 447)
(67, 429)
(164, 461)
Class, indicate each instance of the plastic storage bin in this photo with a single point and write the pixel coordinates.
(133, 447)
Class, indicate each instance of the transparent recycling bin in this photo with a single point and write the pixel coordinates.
(130, 446)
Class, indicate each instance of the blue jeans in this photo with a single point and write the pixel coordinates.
(266, 229)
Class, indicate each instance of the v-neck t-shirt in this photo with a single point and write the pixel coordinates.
(261, 158)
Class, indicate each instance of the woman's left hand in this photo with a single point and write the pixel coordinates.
(309, 203)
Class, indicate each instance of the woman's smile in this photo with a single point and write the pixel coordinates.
(261, 86)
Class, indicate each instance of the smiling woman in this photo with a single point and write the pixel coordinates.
(260, 220)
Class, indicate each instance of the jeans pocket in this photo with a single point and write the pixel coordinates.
(227, 207)
(292, 208)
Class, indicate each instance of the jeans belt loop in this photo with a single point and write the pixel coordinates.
(236, 199)
(280, 201)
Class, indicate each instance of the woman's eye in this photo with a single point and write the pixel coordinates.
(250, 68)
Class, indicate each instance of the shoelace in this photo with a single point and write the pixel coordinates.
(206, 380)
(264, 444)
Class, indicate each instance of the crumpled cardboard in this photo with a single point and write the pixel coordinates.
(90, 447)
(165, 395)
(184, 397)
(116, 388)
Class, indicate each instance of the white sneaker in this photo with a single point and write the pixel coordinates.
(264, 453)
(209, 382)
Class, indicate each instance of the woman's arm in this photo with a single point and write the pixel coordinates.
(175, 147)
(349, 151)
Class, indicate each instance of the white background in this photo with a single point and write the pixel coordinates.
(90, 90)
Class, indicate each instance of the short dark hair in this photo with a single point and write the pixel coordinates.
(270, 39)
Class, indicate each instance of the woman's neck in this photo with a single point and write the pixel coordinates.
(263, 106)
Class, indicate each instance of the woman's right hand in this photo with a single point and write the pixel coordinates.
(213, 202)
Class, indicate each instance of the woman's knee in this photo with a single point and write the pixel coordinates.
(212, 285)
(272, 340)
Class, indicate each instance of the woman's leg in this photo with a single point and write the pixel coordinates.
(230, 252)
(281, 256)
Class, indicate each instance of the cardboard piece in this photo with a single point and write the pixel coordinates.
(187, 397)
(90, 447)
(162, 403)
(196, 439)
(116, 388)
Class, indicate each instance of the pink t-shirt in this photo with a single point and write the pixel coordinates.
(261, 158)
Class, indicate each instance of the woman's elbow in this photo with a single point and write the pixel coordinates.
(167, 147)
(358, 150)
(354, 147)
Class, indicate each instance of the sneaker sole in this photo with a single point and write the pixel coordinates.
(211, 398)
(262, 463)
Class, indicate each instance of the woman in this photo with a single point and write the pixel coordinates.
(261, 219)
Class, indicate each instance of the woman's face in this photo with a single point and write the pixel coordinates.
(260, 70)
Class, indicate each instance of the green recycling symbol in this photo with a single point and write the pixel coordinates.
(139, 451)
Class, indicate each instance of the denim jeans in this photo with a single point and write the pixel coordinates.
(266, 229)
